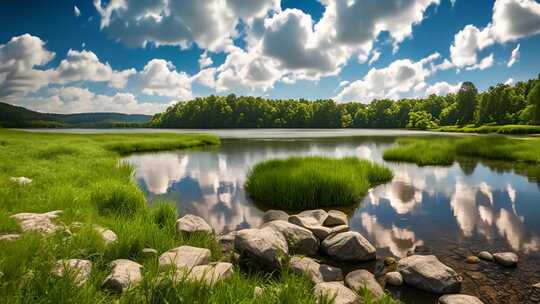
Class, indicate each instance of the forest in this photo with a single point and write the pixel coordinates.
(502, 104)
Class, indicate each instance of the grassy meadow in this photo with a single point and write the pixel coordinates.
(312, 182)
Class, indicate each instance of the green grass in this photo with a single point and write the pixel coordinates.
(505, 129)
(311, 182)
(423, 152)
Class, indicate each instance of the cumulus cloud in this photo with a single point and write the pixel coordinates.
(76, 11)
(442, 88)
(485, 63)
(205, 60)
(513, 57)
(159, 77)
(467, 43)
(374, 57)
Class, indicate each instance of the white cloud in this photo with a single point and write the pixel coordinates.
(76, 11)
(159, 77)
(374, 57)
(466, 44)
(514, 57)
(442, 88)
(205, 60)
(483, 64)
(510, 81)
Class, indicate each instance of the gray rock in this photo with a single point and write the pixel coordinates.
(426, 272)
(275, 215)
(339, 229)
(190, 223)
(21, 180)
(359, 279)
(211, 274)
(299, 240)
(267, 247)
(312, 220)
(508, 259)
(536, 286)
(336, 291)
(316, 272)
(38, 222)
(108, 236)
(9, 237)
(486, 256)
(78, 269)
(227, 240)
(394, 278)
(336, 218)
(459, 299)
(349, 246)
(149, 253)
(185, 257)
(317, 215)
(124, 275)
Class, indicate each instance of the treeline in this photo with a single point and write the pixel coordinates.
(501, 104)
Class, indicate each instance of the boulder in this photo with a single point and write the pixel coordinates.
(227, 240)
(459, 299)
(108, 236)
(336, 291)
(349, 246)
(192, 224)
(275, 215)
(336, 218)
(185, 257)
(359, 279)
(21, 180)
(508, 259)
(78, 269)
(426, 272)
(38, 222)
(486, 256)
(266, 247)
(312, 220)
(393, 278)
(9, 237)
(299, 240)
(211, 274)
(124, 275)
(339, 229)
(316, 272)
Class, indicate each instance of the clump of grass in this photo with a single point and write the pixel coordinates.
(113, 198)
(164, 214)
(311, 182)
(423, 152)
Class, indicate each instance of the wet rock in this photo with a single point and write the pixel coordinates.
(472, 259)
(267, 247)
(9, 237)
(190, 223)
(185, 257)
(336, 291)
(124, 275)
(508, 259)
(426, 272)
(349, 246)
(359, 279)
(394, 278)
(149, 253)
(38, 222)
(336, 218)
(78, 269)
(21, 180)
(299, 240)
(275, 215)
(486, 256)
(459, 299)
(108, 236)
(316, 272)
(227, 241)
(211, 274)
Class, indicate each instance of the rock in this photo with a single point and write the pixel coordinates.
(312, 220)
(317, 215)
(426, 272)
(211, 274)
(149, 253)
(339, 229)
(266, 247)
(299, 240)
(9, 237)
(21, 180)
(394, 278)
(472, 259)
(38, 222)
(227, 240)
(459, 299)
(508, 259)
(192, 224)
(108, 236)
(257, 292)
(336, 218)
(78, 269)
(124, 275)
(484, 255)
(359, 279)
(536, 286)
(316, 272)
(336, 291)
(275, 215)
(185, 257)
(349, 246)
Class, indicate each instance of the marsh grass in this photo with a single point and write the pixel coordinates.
(423, 152)
(310, 182)
(504, 129)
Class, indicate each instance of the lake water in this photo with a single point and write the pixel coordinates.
(451, 212)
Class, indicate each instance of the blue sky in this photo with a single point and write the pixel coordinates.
(140, 56)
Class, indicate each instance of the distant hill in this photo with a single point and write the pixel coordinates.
(19, 117)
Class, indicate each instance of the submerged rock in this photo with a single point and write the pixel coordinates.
(79, 269)
(38, 222)
(394, 278)
(336, 291)
(486, 256)
(336, 218)
(211, 274)
(316, 272)
(358, 279)
(459, 299)
(185, 257)
(124, 275)
(426, 272)
(190, 223)
(299, 240)
(275, 215)
(349, 246)
(266, 247)
(21, 180)
(508, 259)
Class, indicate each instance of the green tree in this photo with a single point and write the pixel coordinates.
(421, 120)
(534, 100)
(466, 103)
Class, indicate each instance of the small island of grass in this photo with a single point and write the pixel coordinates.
(312, 182)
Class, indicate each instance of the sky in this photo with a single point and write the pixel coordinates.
(140, 56)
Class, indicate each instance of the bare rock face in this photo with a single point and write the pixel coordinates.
(124, 275)
(349, 246)
(508, 259)
(316, 272)
(300, 240)
(336, 291)
(185, 257)
(275, 215)
(336, 218)
(38, 222)
(266, 247)
(426, 272)
(108, 236)
(459, 299)
(192, 224)
(211, 274)
(358, 279)
(78, 269)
